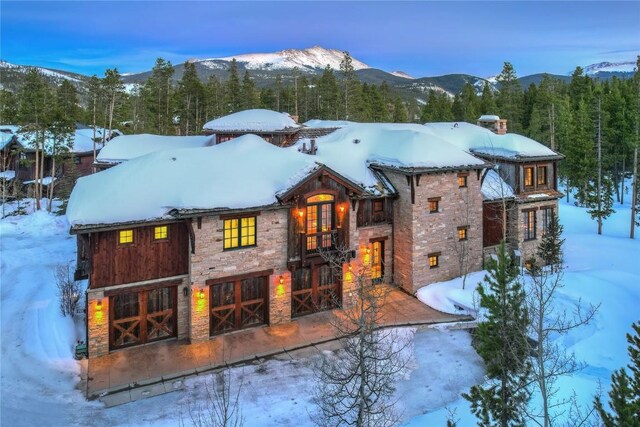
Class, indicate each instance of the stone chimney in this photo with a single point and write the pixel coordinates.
(494, 123)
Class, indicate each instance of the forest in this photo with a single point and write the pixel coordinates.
(594, 123)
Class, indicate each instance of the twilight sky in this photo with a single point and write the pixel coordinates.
(420, 38)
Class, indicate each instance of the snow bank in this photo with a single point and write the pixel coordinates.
(127, 147)
(479, 140)
(257, 120)
(241, 173)
(449, 297)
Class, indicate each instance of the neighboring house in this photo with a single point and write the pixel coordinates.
(127, 147)
(191, 243)
(277, 128)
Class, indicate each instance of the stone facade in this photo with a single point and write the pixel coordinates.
(529, 247)
(211, 261)
(419, 232)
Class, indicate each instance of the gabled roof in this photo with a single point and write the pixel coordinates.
(404, 147)
(241, 173)
(127, 147)
(255, 121)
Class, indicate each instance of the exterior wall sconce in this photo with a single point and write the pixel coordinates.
(99, 305)
(201, 294)
(341, 209)
(281, 280)
(185, 291)
(300, 213)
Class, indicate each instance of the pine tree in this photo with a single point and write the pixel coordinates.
(157, 92)
(114, 92)
(550, 248)
(509, 99)
(190, 100)
(328, 95)
(232, 89)
(248, 92)
(400, 114)
(350, 82)
(487, 101)
(501, 341)
(8, 107)
(214, 95)
(624, 396)
(67, 102)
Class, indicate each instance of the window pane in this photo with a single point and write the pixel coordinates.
(160, 232)
(125, 305)
(230, 233)
(312, 219)
(126, 236)
(301, 279)
(327, 217)
(320, 198)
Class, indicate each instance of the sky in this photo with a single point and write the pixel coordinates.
(421, 38)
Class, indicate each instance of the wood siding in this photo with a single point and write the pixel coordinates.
(144, 259)
(368, 216)
(492, 224)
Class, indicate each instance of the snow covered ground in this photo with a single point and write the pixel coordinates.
(39, 374)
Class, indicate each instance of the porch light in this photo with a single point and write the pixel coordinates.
(300, 213)
(341, 209)
(99, 305)
(281, 280)
(201, 294)
(368, 251)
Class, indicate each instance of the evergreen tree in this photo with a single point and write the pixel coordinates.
(550, 248)
(94, 89)
(466, 106)
(349, 81)
(328, 95)
(509, 100)
(214, 95)
(8, 107)
(624, 396)
(233, 89)
(501, 341)
(190, 100)
(67, 104)
(379, 109)
(487, 101)
(400, 114)
(248, 92)
(157, 92)
(114, 92)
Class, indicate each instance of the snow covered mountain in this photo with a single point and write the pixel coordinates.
(12, 75)
(309, 60)
(402, 74)
(609, 67)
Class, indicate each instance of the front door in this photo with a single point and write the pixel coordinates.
(315, 289)
(141, 317)
(238, 304)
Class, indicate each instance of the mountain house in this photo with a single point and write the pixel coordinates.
(188, 243)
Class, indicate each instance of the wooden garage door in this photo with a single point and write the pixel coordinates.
(238, 304)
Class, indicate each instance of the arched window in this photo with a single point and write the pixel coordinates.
(320, 222)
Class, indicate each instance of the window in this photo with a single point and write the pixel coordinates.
(434, 204)
(320, 222)
(125, 236)
(160, 232)
(462, 180)
(239, 232)
(547, 217)
(542, 175)
(529, 224)
(378, 206)
(528, 177)
(434, 260)
(462, 232)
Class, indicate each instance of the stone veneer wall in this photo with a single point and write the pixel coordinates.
(529, 248)
(211, 261)
(418, 232)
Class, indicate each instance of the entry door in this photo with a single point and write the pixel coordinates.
(377, 261)
(238, 304)
(141, 317)
(315, 289)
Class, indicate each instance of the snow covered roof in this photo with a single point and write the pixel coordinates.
(82, 137)
(488, 118)
(317, 123)
(478, 140)
(7, 132)
(8, 174)
(494, 187)
(257, 120)
(402, 146)
(127, 147)
(241, 173)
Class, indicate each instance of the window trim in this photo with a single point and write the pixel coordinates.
(542, 175)
(319, 235)
(160, 239)
(239, 218)
(546, 218)
(530, 230)
(524, 177)
(129, 243)
(435, 200)
(465, 178)
(464, 228)
(436, 256)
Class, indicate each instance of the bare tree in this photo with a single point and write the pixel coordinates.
(355, 386)
(68, 289)
(550, 359)
(220, 406)
(460, 241)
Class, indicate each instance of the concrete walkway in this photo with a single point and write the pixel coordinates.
(144, 371)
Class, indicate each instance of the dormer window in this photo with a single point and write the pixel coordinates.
(528, 176)
(542, 175)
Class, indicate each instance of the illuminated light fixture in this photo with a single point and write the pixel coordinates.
(281, 280)
(350, 267)
(99, 305)
(201, 294)
(342, 209)
(300, 213)
(368, 251)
